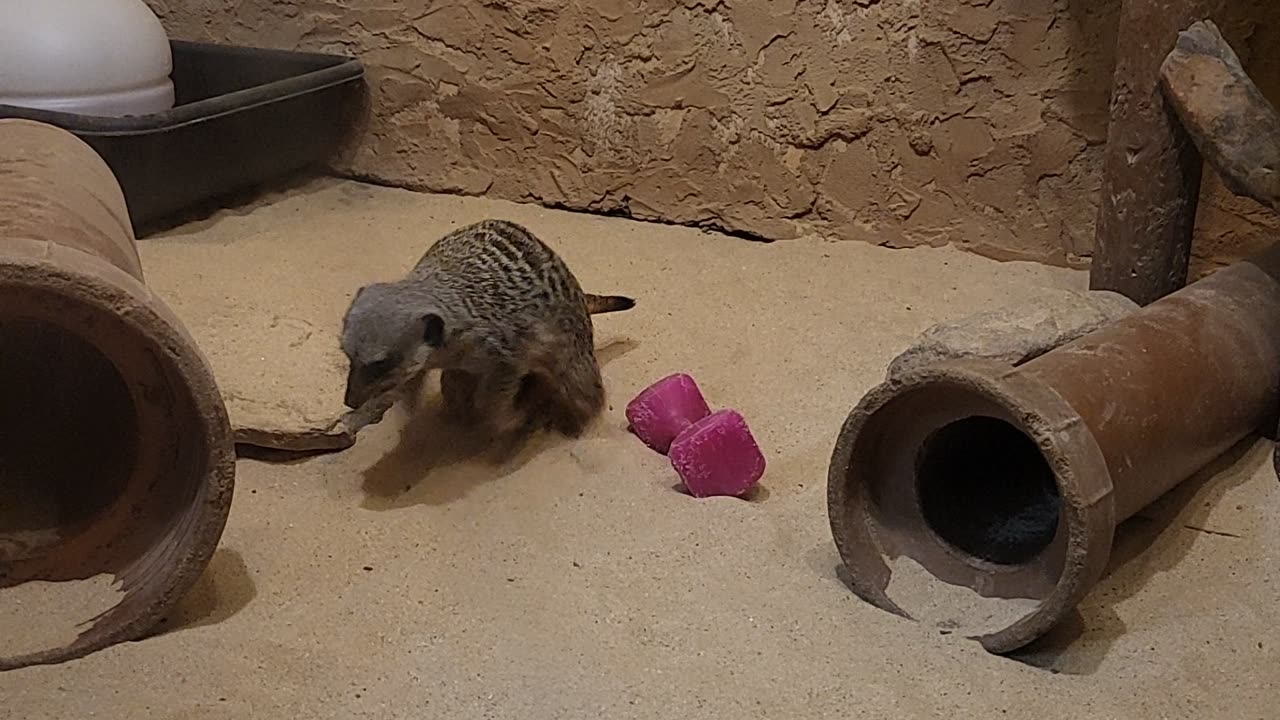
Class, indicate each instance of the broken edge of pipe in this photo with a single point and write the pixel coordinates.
(875, 457)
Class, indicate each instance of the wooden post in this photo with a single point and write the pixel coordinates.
(1151, 180)
(1233, 126)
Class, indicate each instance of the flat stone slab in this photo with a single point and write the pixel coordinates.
(1015, 334)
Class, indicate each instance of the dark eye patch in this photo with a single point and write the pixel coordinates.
(379, 368)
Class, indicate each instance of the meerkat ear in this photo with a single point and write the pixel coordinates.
(433, 330)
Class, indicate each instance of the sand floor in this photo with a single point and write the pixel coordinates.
(396, 580)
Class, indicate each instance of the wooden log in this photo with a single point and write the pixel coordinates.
(1232, 124)
(1151, 176)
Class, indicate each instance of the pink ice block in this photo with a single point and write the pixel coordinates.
(664, 409)
(718, 456)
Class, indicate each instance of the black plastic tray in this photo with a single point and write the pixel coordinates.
(242, 116)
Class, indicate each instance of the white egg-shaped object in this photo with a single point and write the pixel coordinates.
(108, 58)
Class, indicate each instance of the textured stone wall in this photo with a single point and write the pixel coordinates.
(899, 122)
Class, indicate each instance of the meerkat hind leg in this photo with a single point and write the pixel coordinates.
(575, 395)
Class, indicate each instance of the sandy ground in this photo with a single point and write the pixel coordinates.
(398, 580)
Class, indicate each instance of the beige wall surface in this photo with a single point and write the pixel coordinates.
(898, 122)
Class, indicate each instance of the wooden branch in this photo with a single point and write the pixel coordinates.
(1236, 130)
(1151, 170)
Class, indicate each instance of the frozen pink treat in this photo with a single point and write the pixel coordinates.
(664, 409)
(718, 456)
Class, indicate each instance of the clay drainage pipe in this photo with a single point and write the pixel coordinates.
(116, 457)
(985, 497)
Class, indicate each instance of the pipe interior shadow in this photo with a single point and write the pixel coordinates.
(68, 436)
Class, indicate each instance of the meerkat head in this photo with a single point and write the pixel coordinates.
(388, 336)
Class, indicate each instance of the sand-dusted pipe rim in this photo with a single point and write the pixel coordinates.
(153, 584)
(860, 476)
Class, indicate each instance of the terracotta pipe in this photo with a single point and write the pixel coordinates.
(1007, 484)
(116, 456)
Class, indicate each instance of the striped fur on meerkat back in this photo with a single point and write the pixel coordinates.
(500, 314)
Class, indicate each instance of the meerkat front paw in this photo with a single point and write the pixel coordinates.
(458, 388)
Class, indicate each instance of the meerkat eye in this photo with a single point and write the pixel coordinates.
(380, 367)
(433, 330)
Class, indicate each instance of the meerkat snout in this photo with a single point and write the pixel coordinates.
(388, 335)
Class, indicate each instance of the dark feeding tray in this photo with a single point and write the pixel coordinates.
(242, 116)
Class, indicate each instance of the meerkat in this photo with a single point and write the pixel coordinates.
(500, 315)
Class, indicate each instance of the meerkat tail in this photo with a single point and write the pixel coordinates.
(598, 304)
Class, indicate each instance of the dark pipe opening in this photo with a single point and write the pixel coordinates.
(985, 488)
(68, 437)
